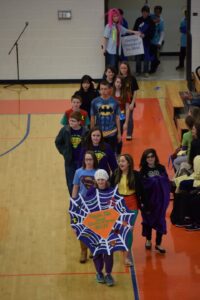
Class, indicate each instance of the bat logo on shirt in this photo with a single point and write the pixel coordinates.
(105, 110)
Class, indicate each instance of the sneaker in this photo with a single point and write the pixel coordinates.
(109, 280)
(194, 227)
(152, 71)
(128, 262)
(146, 75)
(100, 278)
(160, 249)
(187, 226)
(129, 138)
(148, 245)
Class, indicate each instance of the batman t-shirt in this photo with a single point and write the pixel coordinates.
(105, 112)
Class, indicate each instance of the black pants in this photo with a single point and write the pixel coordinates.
(148, 231)
(112, 141)
(194, 208)
(155, 61)
(182, 56)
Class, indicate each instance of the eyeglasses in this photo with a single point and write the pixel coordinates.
(88, 159)
(150, 156)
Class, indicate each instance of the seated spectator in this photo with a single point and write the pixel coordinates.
(183, 154)
(194, 111)
(186, 168)
(186, 208)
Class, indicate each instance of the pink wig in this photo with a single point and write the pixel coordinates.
(111, 13)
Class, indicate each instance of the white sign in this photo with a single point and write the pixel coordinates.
(132, 45)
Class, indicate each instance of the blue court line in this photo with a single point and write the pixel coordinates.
(134, 280)
(23, 139)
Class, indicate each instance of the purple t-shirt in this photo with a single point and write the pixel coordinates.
(76, 139)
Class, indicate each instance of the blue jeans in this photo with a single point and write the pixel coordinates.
(70, 170)
(130, 124)
(112, 60)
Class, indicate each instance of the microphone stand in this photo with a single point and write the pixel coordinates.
(15, 45)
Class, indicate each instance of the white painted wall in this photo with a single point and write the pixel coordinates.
(173, 11)
(49, 48)
(195, 30)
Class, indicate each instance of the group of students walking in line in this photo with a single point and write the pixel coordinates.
(93, 160)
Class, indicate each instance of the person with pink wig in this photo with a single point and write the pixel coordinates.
(113, 31)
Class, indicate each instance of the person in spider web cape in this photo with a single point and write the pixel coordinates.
(103, 222)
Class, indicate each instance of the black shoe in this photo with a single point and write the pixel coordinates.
(160, 249)
(179, 67)
(180, 225)
(129, 138)
(194, 227)
(148, 245)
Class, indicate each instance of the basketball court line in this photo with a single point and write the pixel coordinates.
(22, 140)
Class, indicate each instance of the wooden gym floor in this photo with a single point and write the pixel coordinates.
(38, 251)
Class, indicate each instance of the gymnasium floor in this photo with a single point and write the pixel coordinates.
(38, 251)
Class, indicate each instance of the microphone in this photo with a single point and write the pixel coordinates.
(26, 23)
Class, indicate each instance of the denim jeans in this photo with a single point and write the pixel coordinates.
(70, 170)
(130, 124)
(119, 145)
(112, 60)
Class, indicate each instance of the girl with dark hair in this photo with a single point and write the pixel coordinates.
(129, 186)
(87, 92)
(156, 194)
(120, 94)
(131, 86)
(105, 156)
(83, 181)
(109, 75)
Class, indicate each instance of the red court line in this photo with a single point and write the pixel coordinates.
(33, 106)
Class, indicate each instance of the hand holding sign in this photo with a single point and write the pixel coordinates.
(132, 45)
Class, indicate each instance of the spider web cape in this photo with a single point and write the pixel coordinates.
(102, 221)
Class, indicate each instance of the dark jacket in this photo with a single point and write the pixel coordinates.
(194, 150)
(63, 142)
(146, 26)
